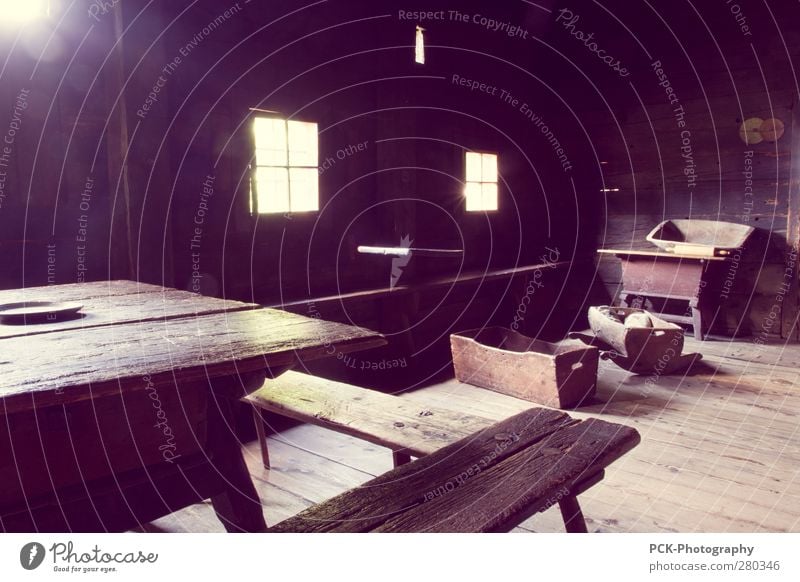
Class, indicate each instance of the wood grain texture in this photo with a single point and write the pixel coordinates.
(536, 477)
(78, 291)
(128, 307)
(425, 489)
(560, 375)
(656, 253)
(379, 418)
(372, 504)
(56, 368)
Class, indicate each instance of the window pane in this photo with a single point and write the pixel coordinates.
(302, 144)
(472, 192)
(473, 167)
(270, 136)
(489, 198)
(304, 189)
(272, 185)
(489, 168)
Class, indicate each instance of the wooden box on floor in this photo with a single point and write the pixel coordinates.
(561, 375)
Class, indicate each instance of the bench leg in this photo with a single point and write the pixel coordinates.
(262, 437)
(572, 514)
(400, 458)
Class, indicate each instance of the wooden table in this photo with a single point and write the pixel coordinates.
(125, 414)
(673, 276)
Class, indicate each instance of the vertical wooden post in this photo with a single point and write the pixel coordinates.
(117, 142)
(791, 308)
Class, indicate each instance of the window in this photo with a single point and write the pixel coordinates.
(285, 173)
(481, 181)
(419, 46)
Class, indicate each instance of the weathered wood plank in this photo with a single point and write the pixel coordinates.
(327, 445)
(379, 418)
(125, 308)
(536, 477)
(560, 375)
(113, 358)
(304, 474)
(778, 356)
(78, 291)
(447, 283)
(367, 507)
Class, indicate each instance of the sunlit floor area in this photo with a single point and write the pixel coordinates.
(720, 449)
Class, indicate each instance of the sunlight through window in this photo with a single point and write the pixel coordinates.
(480, 189)
(285, 172)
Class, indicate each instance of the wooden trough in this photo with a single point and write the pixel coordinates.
(637, 340)
(700, 238)
(561, 375)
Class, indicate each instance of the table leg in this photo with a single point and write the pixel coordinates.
(238, 506)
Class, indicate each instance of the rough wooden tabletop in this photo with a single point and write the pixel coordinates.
(161, 336)
(113, 302)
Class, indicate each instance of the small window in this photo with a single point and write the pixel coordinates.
(285, 172)
(419, 46)
(481, 182)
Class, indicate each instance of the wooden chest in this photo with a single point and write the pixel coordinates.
(561, 375)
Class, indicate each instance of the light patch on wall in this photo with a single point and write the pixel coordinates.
(419, 46)
(21, 11)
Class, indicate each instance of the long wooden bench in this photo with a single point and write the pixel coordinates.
(486, 482)
(410, 429)
(407, 428)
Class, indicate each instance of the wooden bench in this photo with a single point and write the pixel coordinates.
(407, 428)
(410, 429)
(486, 482)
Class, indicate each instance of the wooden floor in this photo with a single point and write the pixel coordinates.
(720, 449)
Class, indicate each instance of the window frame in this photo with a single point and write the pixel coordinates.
(495, 182)
(254, 166)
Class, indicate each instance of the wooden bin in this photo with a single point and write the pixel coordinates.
(561, 375)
